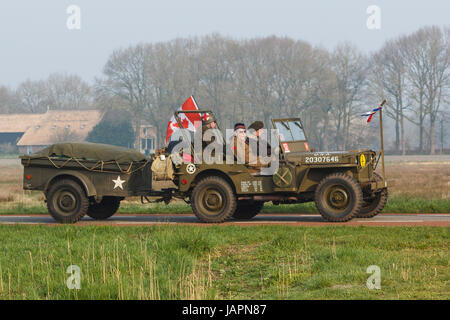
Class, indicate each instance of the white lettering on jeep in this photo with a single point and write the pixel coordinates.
(321, 159)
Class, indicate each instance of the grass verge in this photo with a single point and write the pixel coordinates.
(231, 262)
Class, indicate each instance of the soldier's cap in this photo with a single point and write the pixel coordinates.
(256, 125)
(207, 119)
(239, 125)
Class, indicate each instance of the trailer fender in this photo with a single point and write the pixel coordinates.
(82, 179)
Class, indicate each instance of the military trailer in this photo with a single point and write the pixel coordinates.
(86, 178)
(343, 185)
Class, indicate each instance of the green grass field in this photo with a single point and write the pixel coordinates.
(224, 262)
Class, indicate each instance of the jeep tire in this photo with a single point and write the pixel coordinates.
(246, 210)
(213, 200)
(338, 197)
(371, 207)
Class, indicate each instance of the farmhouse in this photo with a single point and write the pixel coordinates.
(33, 132)
(13, 126)
(57, 126)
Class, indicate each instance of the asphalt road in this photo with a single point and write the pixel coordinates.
(385, 219)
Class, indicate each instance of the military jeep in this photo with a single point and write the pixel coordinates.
(343, 185)
(85, 178)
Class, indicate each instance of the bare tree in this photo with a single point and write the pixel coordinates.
(32, 95)
(67, 91)
(8, 102)
(438, 76)
(324, 99)
(389, 79)
(350, 67)
(127, 77)
(58, 91)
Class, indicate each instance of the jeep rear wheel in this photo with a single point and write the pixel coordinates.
(67, 201)
(373, 206)
(213, 200)
(338, 197)
(246, 210)
(105, 209)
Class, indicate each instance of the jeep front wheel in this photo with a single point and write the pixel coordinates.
(213, 200)
(338, 197)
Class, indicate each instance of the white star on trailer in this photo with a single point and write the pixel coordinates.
(118, 183)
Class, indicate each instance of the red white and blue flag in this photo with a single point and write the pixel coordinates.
(190, 121)
(371, 113)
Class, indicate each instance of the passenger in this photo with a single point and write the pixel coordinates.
(256, 130)
(240, 146)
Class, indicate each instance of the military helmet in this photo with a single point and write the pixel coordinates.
(207, 119)
(256, 125)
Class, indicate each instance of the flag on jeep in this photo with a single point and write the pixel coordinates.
(190, 121)
(371, 113)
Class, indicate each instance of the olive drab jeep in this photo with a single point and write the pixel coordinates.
(343, 185)
(80, 179)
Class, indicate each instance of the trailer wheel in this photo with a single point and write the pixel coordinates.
(67, 201)
(105, 209)
(338, 197)
(371, 207)
(213, 200)
(246, 210)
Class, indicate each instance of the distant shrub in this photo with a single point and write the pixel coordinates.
(116, 132)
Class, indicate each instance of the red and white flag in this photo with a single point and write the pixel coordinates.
(190, 121)
(371, 113)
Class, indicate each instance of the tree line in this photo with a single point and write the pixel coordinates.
(262, 78)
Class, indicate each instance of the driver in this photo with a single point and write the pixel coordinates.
(208, 123)
(256, 134)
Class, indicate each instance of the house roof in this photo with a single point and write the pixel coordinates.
(53, 122)
(18, 122)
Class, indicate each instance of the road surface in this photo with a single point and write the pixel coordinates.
(385, 219)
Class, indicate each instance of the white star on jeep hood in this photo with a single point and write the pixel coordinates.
(118, 183)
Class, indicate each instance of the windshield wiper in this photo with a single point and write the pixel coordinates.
(285, 125)
(298, 125)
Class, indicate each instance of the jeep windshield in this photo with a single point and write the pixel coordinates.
(290, 130)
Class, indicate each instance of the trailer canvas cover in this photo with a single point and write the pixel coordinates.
(90, 151)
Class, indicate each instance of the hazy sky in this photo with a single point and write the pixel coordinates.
(35, 40)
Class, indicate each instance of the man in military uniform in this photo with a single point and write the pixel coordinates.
(208, 123)
(255, 133)
(240, 148)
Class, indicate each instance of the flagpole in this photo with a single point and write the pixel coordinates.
(381, 143)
